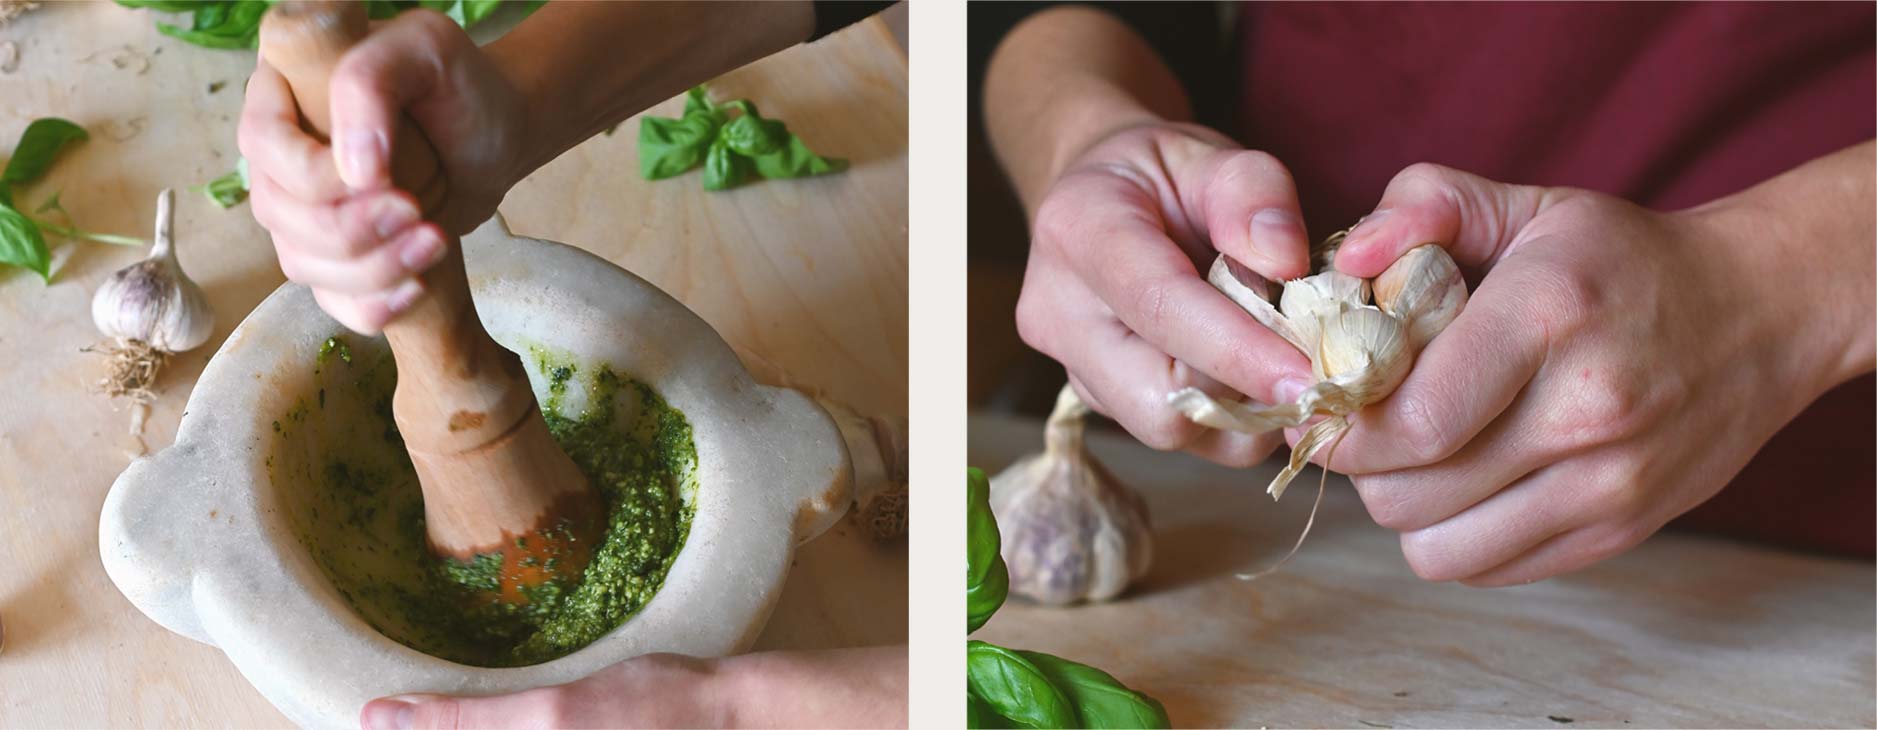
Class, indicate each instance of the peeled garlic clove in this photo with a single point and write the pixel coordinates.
(1425, 289)
(1070, 532)
(153, 301)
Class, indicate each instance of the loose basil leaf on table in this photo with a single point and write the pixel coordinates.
(1099, 699)
(723, 169)
(1013, 688)
(229, 190)
(38, 146)
(669, 147)
(22, 245)
(794, 159)
(987, 580)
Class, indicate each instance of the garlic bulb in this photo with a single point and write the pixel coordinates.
(152, 301)
(1359, 352)
(1070, 531)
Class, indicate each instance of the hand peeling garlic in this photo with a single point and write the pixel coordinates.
(152, 301)
(1070, 531)
(1359, 352)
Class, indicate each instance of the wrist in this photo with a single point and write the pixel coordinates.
(1795, 284)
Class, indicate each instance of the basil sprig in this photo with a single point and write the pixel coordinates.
(1029, 689)
(732, 149)
(237, 23)
(22, 237)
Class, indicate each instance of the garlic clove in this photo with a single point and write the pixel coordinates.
(1425, 289)
(1307, 301)
(153, 301)
(1070, 532)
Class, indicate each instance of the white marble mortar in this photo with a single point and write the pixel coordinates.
(197, 538)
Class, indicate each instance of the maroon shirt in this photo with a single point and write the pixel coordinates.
(1668, 105)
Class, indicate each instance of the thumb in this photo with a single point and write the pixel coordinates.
(396, 66)
(533, 708)
(1248, 203)
(1474, 218)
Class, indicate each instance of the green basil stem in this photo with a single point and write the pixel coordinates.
(69, 232)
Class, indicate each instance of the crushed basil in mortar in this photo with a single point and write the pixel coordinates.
(354, 496)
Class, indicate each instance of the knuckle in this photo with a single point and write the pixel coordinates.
(1425, 437)
(1429, 560)
(1160, 429)
(443, 713)
(1149, 305)
(1607, 405)
(1056, 220)
(1424, 176)
(1383, 498)
(1034, 320)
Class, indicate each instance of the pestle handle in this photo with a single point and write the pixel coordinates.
(490, 471)
(464, 390)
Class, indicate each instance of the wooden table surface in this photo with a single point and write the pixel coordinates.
(1681, 632)
(806, 278)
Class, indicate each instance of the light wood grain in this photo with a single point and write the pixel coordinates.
(806, 278)
(1681, 632)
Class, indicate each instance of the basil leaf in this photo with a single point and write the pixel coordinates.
(476, 11)
(22, 245)
(751, 135)
(978, 714)
(669, 147)
(987, 580)
(1015, 688)
(723, 168)
(1100, 700)
(696, 101)
(38, 146)
(381, 9)
(794, 159)
(229, 190)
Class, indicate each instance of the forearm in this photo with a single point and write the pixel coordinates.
(585, 66)
(835, 688)
(1063, 79)
(1808, 238)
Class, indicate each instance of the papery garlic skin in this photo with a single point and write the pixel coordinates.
(153, 301)
(1070, 531)
(1425, 289)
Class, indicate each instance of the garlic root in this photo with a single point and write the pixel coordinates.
(1070, 531)
(150, 310)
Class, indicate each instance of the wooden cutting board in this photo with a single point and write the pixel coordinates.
(807, 279)
(1683, 631)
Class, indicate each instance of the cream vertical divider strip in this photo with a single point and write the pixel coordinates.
(936, 322)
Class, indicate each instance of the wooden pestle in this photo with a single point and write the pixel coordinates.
(493, 479)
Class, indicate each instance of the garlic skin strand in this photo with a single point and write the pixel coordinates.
(153, 301)
(1070, 531)
(1358, 352)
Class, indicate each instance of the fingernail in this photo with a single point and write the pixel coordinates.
(1274, 230)
(390, 713)
(419, 250)
(1288, 389)
(404, 296)
(391, 214)
(361, 157)
(1369, 225)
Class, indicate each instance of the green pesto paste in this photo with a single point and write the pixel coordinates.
(353, 495)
